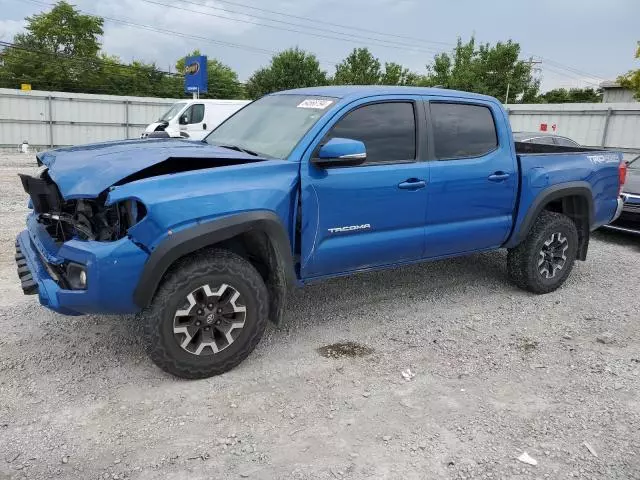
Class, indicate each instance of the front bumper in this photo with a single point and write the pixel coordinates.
(34, 277)
(113, 270)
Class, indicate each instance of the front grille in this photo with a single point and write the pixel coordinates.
(29, 285)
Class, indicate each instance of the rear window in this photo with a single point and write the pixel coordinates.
(462, 130)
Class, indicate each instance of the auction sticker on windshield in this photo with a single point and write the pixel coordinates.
(315, 103)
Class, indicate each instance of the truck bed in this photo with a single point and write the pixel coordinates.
(544, 168)
(540, 148)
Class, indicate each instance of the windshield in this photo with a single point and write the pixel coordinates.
(634, 163)
(273, 125)
(172, 112)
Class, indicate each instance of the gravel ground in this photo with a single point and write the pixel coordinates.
(497, 372)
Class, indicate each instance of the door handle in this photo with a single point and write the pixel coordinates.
(498, 177)
(412, 184)
(204, 126)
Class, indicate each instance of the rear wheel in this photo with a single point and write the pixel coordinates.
(208, 315)
(544, 260)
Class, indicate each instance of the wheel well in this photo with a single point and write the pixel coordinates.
(576, 207)
(257, 248)
(254, 247)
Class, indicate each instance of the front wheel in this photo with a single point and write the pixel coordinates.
(208, 315)
(543, 261)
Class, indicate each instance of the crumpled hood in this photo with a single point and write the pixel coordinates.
(86, 171)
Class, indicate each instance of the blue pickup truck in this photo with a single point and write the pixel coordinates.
(204, 239)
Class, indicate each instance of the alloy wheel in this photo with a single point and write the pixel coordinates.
(552, 256)
(209, 320)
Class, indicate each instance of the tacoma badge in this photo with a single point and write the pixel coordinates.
(350, 228)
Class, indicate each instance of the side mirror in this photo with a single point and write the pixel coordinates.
(183, 120)
(340, 152)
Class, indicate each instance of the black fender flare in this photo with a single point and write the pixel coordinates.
(555, 192)
(209, 233)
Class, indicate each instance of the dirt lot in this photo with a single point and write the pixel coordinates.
(497, 372)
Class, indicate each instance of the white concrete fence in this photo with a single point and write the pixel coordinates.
(51, 119)
(614, 126)
(46, 119)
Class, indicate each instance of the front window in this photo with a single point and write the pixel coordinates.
(172, 112)
(273, 125)
(388, 131)
(193, 114)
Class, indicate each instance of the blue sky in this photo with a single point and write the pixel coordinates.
(580, 42)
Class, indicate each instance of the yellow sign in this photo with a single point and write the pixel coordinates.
(25, 86)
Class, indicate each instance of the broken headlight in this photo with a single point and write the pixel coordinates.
(76, 276)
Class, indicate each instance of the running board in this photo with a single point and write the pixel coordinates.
(622, 229)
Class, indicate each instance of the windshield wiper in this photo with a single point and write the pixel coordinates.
(240, 149)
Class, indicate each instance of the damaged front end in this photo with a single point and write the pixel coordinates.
(82, 219)
(75, 253)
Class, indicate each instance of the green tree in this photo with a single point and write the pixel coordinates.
(632, 79)
(292, 68)
(67, 48)
(396, 74)
(137, 78)
(573, 95)
(487, 69)
(359, 68)
(60, 50)
(222, 79)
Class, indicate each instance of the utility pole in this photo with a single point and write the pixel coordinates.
(533, 62)
(534, 70)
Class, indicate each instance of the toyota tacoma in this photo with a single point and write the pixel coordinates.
(204, 238)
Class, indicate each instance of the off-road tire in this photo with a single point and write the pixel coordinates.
(208, 267)
(522, 261)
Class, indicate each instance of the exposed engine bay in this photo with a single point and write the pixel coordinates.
(84, 219)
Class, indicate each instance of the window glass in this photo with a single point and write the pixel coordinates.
(388, 131)
(543, 140)
(195, 113)
(566, 142)
(462, 130)
(172, 112)
(273, 125)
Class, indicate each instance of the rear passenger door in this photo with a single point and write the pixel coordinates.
(358, 217)
(473, 178)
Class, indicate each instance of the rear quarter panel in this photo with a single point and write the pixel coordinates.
(597, 170)
(179, 201)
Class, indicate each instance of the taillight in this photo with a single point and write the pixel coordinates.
(622, 175)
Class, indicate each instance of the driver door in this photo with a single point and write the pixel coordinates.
(373, 214)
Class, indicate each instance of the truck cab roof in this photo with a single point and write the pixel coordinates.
(360, 91)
